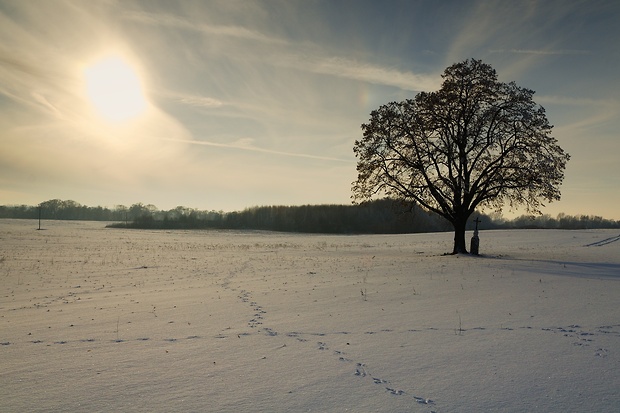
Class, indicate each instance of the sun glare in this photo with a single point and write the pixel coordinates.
(114, 89)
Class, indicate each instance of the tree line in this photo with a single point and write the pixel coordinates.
(379, 216)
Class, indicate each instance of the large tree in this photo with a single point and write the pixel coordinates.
(474, 143)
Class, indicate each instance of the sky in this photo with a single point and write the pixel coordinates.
(223, 105)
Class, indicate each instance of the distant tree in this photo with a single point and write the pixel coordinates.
(52, 208)
(475, 143)
(139, 210)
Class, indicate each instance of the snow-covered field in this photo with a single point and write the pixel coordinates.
(95, 319)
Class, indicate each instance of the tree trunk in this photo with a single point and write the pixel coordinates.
(460, 247)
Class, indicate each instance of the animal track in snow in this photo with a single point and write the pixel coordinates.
(360, 368)
(395, 392)
(585, 337)
(362, 372)
(270, 332)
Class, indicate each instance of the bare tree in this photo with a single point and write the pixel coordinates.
(475, 143)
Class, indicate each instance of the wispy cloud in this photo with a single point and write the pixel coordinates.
(310, 60)
(46, 103)
(41, 89)
(169, 20)
(194, 100)
(592, 112)
(356, 70)
(247, 144)
(542, 52)
(572, 101)
(542, 27)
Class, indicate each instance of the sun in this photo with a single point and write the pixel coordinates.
(115, 89)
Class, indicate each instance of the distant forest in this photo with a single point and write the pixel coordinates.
(377, 217)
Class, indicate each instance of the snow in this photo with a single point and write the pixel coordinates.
(96, 319)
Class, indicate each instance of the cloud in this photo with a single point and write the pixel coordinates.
(356, 70)
(310, 60)
(585, 124)
(24, 79)
(17, 64)
(591, 113)
(490, 27)
(46, 104)
(247, 144)
(572, 101)
(198, 101)
(169, 20)
(541, 52)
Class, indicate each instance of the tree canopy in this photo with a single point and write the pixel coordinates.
(474, 143)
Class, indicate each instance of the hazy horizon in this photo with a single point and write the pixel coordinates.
(225, 105)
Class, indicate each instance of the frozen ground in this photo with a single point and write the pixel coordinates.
(95, 319)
